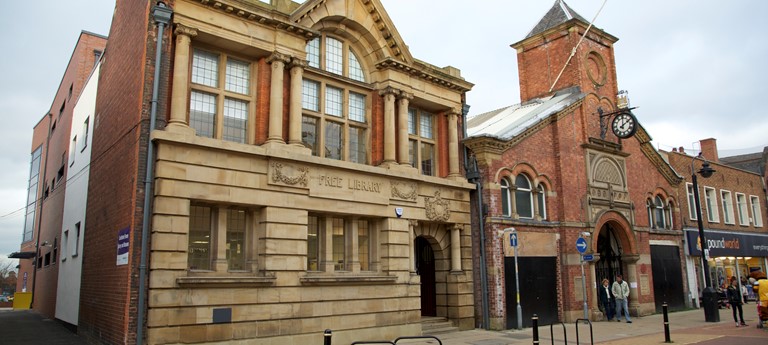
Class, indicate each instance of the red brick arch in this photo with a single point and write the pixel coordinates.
(623, 231)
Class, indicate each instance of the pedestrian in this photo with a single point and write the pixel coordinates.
(620, 291)
(734, 298)
(606, 300)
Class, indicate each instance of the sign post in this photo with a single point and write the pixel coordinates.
(513, 241)
(581, 246)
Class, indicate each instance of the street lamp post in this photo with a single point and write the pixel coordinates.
(709, 295)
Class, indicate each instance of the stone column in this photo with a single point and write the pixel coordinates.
(632, 277)
(412, 224)
(278, 61)
(402, 128)
(220, 261)
(455, 248)
(180, 90)
(389, 125)
(294, 125)
(453, 145)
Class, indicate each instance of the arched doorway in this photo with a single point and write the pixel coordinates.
(425, 268)
(610, 250)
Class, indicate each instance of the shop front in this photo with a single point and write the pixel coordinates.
(730, 254)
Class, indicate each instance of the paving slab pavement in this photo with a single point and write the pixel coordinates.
(25, 327)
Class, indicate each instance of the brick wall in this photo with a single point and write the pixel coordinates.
(108, 292)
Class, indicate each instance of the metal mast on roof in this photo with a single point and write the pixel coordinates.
(573, 51)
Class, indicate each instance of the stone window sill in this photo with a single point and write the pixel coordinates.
(224, 281)
(347, 279)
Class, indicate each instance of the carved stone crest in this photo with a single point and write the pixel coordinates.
(437, 208)
(405, 191)
(278, 176)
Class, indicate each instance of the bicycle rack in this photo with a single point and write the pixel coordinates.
(394, 342)
(418, 337)
(552, 333)
(591, 338)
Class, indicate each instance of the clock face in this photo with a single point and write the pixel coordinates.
(624, 125)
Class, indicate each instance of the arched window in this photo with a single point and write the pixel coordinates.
(336, 110)
(670, 208)
(506, 207)
(542, 201)
(659, 213)
(649, 210)
(338, 57)
(523, 197)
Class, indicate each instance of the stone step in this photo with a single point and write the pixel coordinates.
(437, 325)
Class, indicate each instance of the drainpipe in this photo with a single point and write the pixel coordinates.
(162, 16)
(40, 217)
(473, 176)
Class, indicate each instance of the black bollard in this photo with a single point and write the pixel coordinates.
(666, 323)
(535, 326)
(327, 337)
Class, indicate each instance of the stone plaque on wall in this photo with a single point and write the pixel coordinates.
(578, 292)
(645, 286)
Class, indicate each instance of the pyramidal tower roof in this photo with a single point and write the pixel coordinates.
(558, 14)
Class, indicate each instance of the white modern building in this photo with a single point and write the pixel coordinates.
(75, 201)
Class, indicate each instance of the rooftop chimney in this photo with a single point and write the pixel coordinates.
(709, 149)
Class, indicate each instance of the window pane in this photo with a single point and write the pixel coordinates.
(741, 206)
(205, 67)
(357, 152)
(202, 113)
(238, 76)
(235, 120)
(757, 215)
(727, 207)
(425, 125)
(309, 133)
(356, 107)
(413, 150)
(363, 245)
(542, 202)
(236, 240)
(691, 203)
(199, 238)
(523, 198)
(334, 61)
(427, 159)
(355, 71)
(312, 244)
(505, 197)
(334, 141)
(412, 121)
(339, 250)
(333, 101)
(310, 95)
(313, 53)
(659, 213)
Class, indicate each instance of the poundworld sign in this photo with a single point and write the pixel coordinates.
(728, 244)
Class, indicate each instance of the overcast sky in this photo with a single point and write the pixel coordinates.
(695, 69)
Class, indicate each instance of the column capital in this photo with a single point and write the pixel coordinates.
(279, 57)
(453, 112)
(405, 96)
(183, 30)
(389, 91)
(296, 62)
(413, 223)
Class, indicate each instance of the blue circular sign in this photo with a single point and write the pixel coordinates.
(581, 245)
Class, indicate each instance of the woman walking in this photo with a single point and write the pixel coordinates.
(606, 300)
(734, 298)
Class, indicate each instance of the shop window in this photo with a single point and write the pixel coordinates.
(220, 109)
(333, 242)
(710, 198)
(727, 200)
(208, 225)
(421, 148)
(741, 206)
